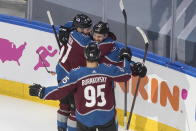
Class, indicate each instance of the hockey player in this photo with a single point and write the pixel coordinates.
(100, 33)
(78, 31)
(93, 91)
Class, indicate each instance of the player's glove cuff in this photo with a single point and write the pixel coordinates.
(125, 53)
(64, 34)
(138, 69)
(36, 90)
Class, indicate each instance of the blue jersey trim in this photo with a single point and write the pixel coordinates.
(48, 90)
(69, 24)
(186, 69)
(61, 72)
(81, 39)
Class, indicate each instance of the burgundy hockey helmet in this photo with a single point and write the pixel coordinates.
(92, 52)
(82, 21)
(101, 28)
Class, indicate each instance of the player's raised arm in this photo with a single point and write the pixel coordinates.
(122, 74)
(64, 32)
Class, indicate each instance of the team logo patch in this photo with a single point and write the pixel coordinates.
(114, 48)
(78, 19)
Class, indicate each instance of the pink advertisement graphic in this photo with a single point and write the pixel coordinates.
(43, 53)
(9, 51)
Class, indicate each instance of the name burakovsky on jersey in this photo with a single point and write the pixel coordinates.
(94, 80)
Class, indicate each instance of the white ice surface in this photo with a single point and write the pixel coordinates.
(21, 115)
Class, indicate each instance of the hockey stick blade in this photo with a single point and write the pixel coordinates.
(122, 7)
(143, 35)
(53, 27)
(145, 41)
(50, 18)
(121, 4)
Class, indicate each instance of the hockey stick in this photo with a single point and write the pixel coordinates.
(50, 72)
(104, 7)
(53, 27)
(139, 79)
(125, 26)
(125, 19)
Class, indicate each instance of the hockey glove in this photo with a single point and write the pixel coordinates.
(125, 53)
(138, 69)
(64, 34)
(36, 90)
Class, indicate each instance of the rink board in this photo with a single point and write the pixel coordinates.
(166, 100)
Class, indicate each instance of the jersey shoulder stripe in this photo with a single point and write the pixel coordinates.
(80, 38)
